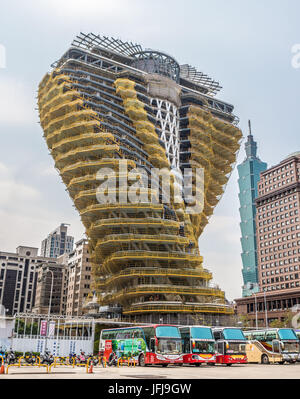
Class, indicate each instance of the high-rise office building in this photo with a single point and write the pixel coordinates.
(80, 279)
(110, 107)
(277, 220)
(18, 278)
(278, 244)
(50, 297)
(57, 243)
(249, 172)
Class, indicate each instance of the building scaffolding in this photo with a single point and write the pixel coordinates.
(106, 102)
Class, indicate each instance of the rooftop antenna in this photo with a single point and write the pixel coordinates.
(250, 130)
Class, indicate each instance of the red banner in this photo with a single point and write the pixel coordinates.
(43, 328)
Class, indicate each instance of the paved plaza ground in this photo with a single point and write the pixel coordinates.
(250, 371)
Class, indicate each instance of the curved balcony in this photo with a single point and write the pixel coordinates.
(113, 263)
(177, 307)
(128, 293)
(130, 273)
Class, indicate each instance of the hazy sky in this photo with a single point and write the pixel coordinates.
(245, 45)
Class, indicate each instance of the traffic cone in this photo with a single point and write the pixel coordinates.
(91, 369)
(2, 370)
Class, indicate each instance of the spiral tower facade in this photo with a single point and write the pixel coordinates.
(114, 107)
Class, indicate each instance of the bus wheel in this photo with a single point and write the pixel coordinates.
(281, 362)
(265, 359)
(229, 364)
(164, 365)
(197, 364)
(142, 361)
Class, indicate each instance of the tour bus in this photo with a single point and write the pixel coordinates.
(230, 345)
(297, 332)
(273, 345)
(154, 344)
(198, 345)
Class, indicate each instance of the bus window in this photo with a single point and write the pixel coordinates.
(169, 346)
(149, 333)
(270, 335)
(276, 346)
(217, 335)
(286, 334)
(233, 333)
(152, 345)
(221, 347)
(203, 347)
(138, 334)
(248, 335)
(259, 336)
(167, 331)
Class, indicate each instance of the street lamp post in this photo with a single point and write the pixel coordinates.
(266, 310)
(49, 308)
(256, 311)
(51, 290)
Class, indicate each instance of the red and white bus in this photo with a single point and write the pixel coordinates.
(198, 345)
(230, 345)
(154, 344)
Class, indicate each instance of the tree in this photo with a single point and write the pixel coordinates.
(276, 323)
(244, 319)
(286, 322)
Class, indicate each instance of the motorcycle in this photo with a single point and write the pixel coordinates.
(31, 358)
(72, 355)
(82, 358)
(11, 357)
(47, 358)
(94, 360)
(113, 359)
(2, 355)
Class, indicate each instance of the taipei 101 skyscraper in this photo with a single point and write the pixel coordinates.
(249, 174)
(112, 113)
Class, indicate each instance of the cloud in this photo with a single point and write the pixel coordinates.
(17, 103)
(14, 192)
(90, 8)
(48, 171)
(26, 213)
(220, 247)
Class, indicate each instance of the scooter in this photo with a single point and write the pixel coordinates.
(2, 353)
(113, 359)
(82, 358)
(47, 358)
(30, 359)
(72, 355)
(11, 357)
(94, 360)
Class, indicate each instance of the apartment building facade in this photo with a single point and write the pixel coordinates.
(278, 242)
(79, 279)
(57, 243)
(19, 277)
(50, 290)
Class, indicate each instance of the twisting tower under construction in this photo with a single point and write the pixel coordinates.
(111, 109)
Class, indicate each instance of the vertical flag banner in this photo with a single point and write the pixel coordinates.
(43, 329)
(51, 329)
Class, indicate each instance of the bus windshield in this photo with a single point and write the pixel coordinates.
(235, 349)
(167, 331)
(234, 334)
(290, 347)
(201, 333)
(203, 347)
(169, 346)
(287, 333)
